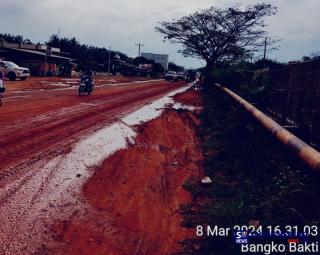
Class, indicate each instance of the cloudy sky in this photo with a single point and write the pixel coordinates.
(122, 23)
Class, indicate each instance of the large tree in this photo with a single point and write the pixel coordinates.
(219, 35)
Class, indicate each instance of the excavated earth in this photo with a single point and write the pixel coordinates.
(61, 194)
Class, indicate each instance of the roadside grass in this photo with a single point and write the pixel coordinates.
(254, 179)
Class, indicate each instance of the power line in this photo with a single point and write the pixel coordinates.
(265, 52)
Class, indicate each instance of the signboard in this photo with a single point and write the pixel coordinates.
(49, 51)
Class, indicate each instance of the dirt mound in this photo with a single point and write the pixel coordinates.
(133, 197)
(191, 97)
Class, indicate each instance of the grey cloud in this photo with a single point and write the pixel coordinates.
(122, 23)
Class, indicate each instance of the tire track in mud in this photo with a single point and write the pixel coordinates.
(20, 115)
(52, 101)
(36, 135)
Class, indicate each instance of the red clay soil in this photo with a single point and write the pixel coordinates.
(37, 126)
(190, 97)
(133, 197)
(43, 119)
(36, 83)
(130, 201)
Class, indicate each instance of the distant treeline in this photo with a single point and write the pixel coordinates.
(15, 38)
(87, 55)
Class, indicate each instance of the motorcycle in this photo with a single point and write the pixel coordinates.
(86, 85)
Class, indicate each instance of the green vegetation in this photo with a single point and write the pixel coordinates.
(255, 179)
(14, 38)
(219, 35)
(96, 58)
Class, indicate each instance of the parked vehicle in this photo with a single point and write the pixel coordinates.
(86, 85)
(13, 71)
(171, 76)
(181, 76)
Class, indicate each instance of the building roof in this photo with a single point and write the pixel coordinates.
(154, 54)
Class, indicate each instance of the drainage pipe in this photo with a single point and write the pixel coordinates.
(304, 151)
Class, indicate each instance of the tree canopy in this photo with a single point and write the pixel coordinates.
(219, 35)
(15, 39)
(86, 54)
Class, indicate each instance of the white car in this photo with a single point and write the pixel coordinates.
(171, 76)
(13, 71)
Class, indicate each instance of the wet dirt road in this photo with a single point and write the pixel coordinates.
(37, 130)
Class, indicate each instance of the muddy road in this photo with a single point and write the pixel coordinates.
(35, 121)
(41, 171)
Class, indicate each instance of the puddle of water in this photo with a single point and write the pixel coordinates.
(185, 107)
(70, 79)
(54, 83)
(152, 110)
(127, 83)
(57, 83)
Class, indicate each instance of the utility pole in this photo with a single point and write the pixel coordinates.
(45, 65)
(265, 52)
(109, 62)
(140, 45)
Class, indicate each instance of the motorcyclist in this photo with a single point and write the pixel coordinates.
(86, 82)
(88, 74)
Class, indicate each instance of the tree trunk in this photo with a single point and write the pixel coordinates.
(208, 75)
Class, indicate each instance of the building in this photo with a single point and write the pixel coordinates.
(38, 58)
(162, 59)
